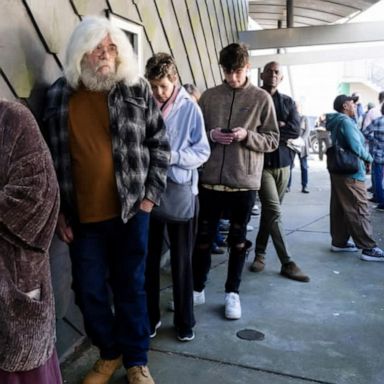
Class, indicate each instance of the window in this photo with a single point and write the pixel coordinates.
(134, 32)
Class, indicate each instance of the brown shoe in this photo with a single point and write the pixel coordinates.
(258, 264)
(292, 271)
(139, 374)
(102, 371)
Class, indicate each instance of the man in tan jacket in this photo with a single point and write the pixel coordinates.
(241, 124)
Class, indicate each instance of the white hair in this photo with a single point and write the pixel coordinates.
(84, 39)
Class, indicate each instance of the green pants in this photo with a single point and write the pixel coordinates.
(273, 186)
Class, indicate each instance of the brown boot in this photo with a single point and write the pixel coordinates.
(258, 264)
(139, 374)
(292, 271)
(102, 371)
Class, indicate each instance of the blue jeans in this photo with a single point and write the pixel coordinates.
(377, 170)
(109, 257)
(304, 171)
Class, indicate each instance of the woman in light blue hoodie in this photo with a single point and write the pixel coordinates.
(349, 212)
(189, 150)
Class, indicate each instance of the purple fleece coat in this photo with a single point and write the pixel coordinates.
(28, 212)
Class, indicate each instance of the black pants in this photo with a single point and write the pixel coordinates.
(181, 240)
(212, 205)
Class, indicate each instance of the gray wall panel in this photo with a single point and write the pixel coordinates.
(171, 25)
(232, 23)
(190, 45)
(214, 27)
(202, 47)
(49, 16)
(5, 90)
(226, 10)
(125, 8)
(153, 26)
(24, 58)
(90, 7)
(212, 52)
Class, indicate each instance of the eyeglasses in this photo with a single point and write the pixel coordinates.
(111, 49)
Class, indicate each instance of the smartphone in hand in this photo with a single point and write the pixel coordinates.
(226, 130)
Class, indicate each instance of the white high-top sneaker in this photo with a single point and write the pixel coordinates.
(232, 306)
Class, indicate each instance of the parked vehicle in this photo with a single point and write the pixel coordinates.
(314, 143)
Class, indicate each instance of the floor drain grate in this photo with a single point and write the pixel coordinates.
(250, 334)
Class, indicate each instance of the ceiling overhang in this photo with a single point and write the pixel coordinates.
(317, 35)
(270, 14)
(326, 24)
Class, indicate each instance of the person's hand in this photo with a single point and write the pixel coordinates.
(239, 133)
(63, 229)
(146, 205)
(281, 123)
(220, 137)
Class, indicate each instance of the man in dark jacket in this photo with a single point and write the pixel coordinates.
(275, 178)
(109, 146)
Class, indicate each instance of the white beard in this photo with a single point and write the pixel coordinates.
(94, 81)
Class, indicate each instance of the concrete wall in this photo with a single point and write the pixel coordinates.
(33, 36)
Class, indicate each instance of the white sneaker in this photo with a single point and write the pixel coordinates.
(255, 210)
(154, 331)
(198, 298)
(232, 306)
(349, 247)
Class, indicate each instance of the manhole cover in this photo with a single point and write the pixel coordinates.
(250, 334)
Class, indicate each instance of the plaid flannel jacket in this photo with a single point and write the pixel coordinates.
(374, 133)
(140, 147)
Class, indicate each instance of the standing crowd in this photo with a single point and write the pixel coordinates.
(127, 162)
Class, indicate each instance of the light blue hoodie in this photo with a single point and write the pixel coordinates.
(344, 130)
(188, 140)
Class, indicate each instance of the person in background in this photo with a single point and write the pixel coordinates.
(322, 134)
(359, 109)
(29, 204)
(374, 133)
(374, 113)
(349, 212)
(370, 106)
(189, 150)
(275, 176)
(193, 91)
(371, 115)
(109, 146)
(303, 155)
(241, 125)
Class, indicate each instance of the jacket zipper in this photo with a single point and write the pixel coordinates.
(228, 125)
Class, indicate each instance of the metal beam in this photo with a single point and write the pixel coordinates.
(309, 36)
(313, 57)
(290, 14)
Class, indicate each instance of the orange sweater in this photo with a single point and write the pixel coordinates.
(91, 155)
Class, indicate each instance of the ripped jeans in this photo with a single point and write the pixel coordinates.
(212, 204)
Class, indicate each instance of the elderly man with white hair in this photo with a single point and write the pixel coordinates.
(109, 146)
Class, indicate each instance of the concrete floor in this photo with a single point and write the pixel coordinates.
(328, 331)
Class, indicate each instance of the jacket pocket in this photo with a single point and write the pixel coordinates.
(251, 163)
(138, 102)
